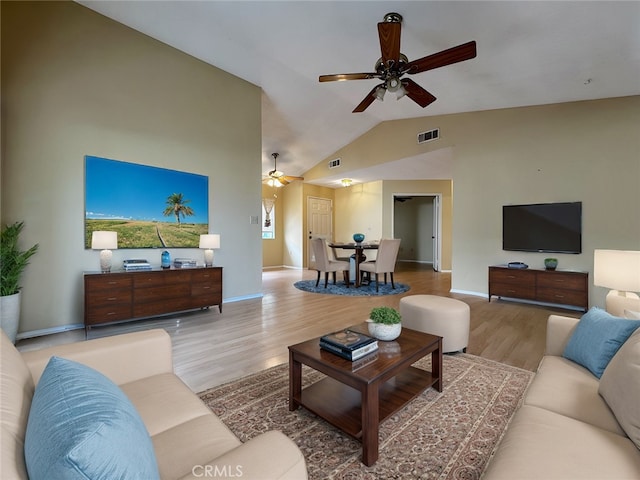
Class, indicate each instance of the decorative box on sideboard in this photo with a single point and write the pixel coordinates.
(120, 296)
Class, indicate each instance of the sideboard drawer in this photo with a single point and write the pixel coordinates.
(513, 290)
(511, 275)
(108, 313)
(568, 281)
(566, 297)
(117, 296)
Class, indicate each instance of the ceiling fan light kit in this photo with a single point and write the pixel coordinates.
(346, 182)
(392, 65)
(276, 178)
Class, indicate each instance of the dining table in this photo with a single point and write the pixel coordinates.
(359, 248)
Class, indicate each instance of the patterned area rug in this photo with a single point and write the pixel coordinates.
(448, 435)
(341, 289)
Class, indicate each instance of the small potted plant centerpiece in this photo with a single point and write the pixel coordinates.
(12, 263)
(384, 323)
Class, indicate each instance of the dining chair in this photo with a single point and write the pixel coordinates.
(326, 265)
(385, 262)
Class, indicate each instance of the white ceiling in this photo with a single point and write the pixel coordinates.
(529, 53)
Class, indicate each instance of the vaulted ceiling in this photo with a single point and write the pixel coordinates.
(529, 53)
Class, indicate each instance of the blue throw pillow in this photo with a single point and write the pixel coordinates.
(597, 338)
(82, 426)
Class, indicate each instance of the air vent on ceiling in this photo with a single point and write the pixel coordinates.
(429, 136)
(334, 163)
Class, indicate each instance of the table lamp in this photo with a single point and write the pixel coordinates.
(209, 242)
(620, 271)
(105, 242)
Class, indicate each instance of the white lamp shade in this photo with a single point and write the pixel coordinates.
(617, 269)
(101, 240)
(210, 241)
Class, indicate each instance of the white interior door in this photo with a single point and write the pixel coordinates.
(319, 223)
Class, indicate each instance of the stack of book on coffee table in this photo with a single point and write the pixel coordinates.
(349, 344)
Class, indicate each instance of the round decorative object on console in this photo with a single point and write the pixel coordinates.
(550, 263)
(358, 237)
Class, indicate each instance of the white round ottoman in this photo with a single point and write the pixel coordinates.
(442, 316)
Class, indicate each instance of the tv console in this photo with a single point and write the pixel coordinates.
(559, 287)
(120, 296)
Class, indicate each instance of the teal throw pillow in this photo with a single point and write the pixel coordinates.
(82, 426)
(597, 338)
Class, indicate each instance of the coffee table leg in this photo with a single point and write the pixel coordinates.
(436, 366)
(370, 424)
(295, 382)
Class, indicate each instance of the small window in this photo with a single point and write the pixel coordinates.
(268, 219)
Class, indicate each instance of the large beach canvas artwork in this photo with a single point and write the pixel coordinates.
(149, 207)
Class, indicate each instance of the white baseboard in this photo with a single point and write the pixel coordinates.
(241, 298)
(49, 331)
(467, 292)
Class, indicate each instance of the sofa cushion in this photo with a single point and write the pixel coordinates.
(564, 387)
(191, 444)
(164, 401)
(620, 386)
(540, 444)
(184, 431)
(597, 338)
(81, 425)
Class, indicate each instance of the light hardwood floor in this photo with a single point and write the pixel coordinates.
(211, 348)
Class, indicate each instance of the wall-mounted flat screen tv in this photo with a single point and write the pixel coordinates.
(149, 207)
(543, 227)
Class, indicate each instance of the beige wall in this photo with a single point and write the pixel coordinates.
(75, 83)
(358, 209)
(581, 151)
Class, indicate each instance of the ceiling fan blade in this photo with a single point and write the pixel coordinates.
(338, 77)
(466, 51)
(289, 178)
(418, 94)
(368, 100)
(389, 33)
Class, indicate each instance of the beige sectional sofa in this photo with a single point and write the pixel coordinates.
(565, 428)
(188, 439)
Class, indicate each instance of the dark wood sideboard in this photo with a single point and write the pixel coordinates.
(561, 287)
(120, 296)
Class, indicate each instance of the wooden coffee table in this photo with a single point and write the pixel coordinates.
(357, 396)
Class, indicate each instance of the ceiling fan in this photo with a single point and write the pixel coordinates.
(277, 178)
(392, 65)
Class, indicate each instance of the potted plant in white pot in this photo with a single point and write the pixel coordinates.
(384, 323)
(12, 263)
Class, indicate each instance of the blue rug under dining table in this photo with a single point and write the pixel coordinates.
(341, 289)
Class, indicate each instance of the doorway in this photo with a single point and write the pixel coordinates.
(417, 220)
(319, 223)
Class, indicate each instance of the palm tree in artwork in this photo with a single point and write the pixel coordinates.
(177, 205)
